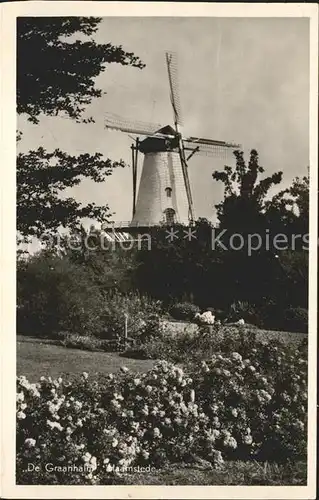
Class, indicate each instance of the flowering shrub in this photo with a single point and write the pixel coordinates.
(192, 346)
(235, 405)
(259, 401)
(152, 418)
(206, 318)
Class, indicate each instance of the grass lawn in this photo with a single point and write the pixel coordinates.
(35, 359)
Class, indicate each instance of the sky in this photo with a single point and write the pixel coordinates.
(243, 80)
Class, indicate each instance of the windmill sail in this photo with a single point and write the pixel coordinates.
(116, 122)
(171, 62)
(212, 142)
(175, 101)
(210, 147)
(211, 151)
(164, 193)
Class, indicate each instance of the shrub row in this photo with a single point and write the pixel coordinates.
(57, 294)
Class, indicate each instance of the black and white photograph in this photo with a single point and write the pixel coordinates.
(164, 296)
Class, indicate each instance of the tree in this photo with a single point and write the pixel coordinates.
(55, 71)
(56, 295)
(290, 207)
(264, 277)
(244, 202)
(43, 176)
(112, 265)
(186, 268)
(247, 275)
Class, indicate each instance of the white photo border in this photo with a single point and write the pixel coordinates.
(9, 12)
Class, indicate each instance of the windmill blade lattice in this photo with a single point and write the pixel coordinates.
(171, 61)
(214, 152)
(210, 147)
(166, 155)
(116, 122)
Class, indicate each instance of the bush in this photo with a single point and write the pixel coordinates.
(295, 320)
(259, 398)
(184, 311)
(140, 312)
(88, 343)
(57, 295)
(220, 314)
(241, 405)
(189, 348)
(243, 310)
(157, 347)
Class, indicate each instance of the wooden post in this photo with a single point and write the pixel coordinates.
(125, 330)
(134, 182)
(134, 170)
(135, 173)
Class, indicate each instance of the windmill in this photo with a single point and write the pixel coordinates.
(164, 194)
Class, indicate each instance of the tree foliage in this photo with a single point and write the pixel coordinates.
(111, 264)
(219, 275)
(56, 295)
(186, 268)
(267, 276)
(43, 176)
(290, 207)
(58, 62)
(56, 70)
(245, 196)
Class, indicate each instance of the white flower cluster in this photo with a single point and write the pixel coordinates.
(206, 318)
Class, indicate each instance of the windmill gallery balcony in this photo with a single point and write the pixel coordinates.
(134, 226)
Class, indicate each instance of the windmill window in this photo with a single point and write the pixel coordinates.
(170, 216)
(168, 191)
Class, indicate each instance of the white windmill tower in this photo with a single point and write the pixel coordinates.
(164, 194)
